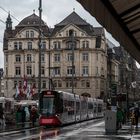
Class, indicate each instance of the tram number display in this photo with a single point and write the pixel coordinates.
(48, 94)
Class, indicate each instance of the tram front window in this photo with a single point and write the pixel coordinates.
(48, 106)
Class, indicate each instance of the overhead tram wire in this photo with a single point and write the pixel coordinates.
(8, 13)
(14, 18)
(2, 21)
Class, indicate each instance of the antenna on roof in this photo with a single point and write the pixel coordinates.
(73, 9)
(34, 11)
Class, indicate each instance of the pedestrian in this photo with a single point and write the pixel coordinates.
(120, 116)
(2, 118)
(18, 114)
(23, 116)
(34, 115)
(136, 115)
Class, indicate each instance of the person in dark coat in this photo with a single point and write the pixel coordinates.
(34, 115)
(2, 121)
(23, 116)
(136, 114)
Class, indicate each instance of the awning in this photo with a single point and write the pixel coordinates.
(121, 18)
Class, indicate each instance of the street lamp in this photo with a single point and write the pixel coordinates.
(71, 33)
(39, 46)
(49, 59)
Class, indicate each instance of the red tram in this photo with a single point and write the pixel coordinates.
(59, 108)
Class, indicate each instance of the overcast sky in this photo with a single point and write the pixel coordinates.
(53, 12)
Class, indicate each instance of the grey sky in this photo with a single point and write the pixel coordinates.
(53, 12)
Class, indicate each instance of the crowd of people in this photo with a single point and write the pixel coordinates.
(26, 113)
(132, 115)
(22, 114)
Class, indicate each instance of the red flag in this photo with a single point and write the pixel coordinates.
(20, 89)
(33, 89)
(25, 83)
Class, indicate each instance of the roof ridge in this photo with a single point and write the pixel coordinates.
(72, 18)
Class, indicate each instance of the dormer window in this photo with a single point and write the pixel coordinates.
(32, 34)
(29, 34)
(72, 32)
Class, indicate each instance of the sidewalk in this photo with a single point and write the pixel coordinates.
(125, 133)
(14, 127)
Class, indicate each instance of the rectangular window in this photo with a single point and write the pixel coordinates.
(18, 59)
(43, 84)
(17, 71)
(27, 34)
(98, 42)
(85, 83)
(29, 45)
(57, 83)
(29, 57)
(32, 34)
(57, 45)
(42, 70)
(96, 70)
(43, 45)
(85, 70)
(15, 84)
(20, 46)
(85, 44)
(85, 56)
(69, 45)
(29, 70)
(57, 71)
(42, 57)
(70, 70)
(6, 71)
(6, 58)
(69, 84)
(57, 57)
(17, 45)
(69, 56)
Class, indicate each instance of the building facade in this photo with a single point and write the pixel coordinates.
(21, 56)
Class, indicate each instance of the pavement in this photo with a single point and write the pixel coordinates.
(95, 131)
(16, 126)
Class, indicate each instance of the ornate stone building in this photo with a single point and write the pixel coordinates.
(21, 55)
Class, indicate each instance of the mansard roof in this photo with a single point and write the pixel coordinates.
(75, 19)
(32, 20)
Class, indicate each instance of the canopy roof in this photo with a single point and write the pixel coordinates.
(121, 18)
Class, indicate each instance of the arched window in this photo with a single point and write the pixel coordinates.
(86, 95)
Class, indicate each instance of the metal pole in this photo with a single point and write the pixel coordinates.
(39, 46)
(49, 60)
(73, 70)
